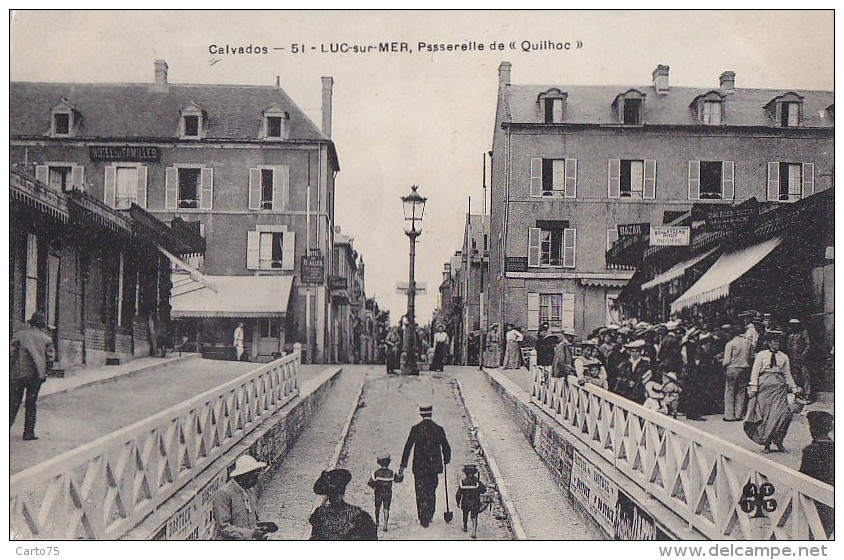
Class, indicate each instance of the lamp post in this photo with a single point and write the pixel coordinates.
(414, 207)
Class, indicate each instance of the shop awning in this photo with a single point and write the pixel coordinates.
(729, 267)
(236, 296)
(675, 271)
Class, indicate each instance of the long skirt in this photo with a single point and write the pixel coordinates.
(511, 355)
(492, 355)
(439, 357)
(768, 414)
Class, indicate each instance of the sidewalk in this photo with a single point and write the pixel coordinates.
(542, 507)
(798, 434)
(96, 402)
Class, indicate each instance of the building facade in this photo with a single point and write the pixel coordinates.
(572, 164)
(348, 302)
(100, 276)
(243, 164)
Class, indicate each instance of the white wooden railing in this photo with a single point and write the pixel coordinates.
(698, 476)
(104, 488)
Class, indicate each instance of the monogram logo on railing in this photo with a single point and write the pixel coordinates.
(758, 498)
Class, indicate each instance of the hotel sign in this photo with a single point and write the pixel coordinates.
(313, 268)
(147, 154)
(670, 236)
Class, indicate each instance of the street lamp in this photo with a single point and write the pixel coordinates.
(414, 208)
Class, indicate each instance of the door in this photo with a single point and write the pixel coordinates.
(53, 299)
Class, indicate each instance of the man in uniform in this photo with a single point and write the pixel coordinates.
(432, 451)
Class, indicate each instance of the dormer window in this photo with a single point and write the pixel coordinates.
(64, 119)
(709, 108)
(552, 104)
(192, 121)
(787, 110)
(275, 124)
(630, 107)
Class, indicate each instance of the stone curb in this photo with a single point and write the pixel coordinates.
(145, 369)
(498, 479)
(338, 449)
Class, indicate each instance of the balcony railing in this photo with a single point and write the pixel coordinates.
(698, 476)
(106, 487)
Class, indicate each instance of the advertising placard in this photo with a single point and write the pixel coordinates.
(594, 491)
(670, 236)
(632, 523)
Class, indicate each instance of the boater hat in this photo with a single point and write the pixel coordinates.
(383, 457)
(426, 409)
(470, 468)
(670, 375)
(246, 464)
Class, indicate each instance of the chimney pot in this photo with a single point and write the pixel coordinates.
(660, 78)
(161, 72)
(327, 92)
(728, 82)
(504, 73)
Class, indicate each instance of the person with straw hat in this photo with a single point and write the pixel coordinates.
(235, 504)
(431, 452)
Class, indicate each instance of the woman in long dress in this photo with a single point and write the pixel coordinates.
(768, 412)
(440, 348)
(512, 351)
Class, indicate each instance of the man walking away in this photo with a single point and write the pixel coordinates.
(431, 452)
(32, 356)
(797, 347)
(736, 362)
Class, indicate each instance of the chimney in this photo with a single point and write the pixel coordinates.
(728, 82)
(504, 73)
(660, 76)
(327, 90)
(161, 72)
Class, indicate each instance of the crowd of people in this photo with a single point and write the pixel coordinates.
(749, 370)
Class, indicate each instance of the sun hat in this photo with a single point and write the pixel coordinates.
(246, 464)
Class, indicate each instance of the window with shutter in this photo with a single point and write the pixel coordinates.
(267, 188)
(694, 180)
(255, 188)
(78, 177)
(792, 181)
(534, 235)
(568, 311)
(773, 180)
(711, 180)
(535, 176)
(253, 240)
(206, 196)
(126, 186)
(728, 180)
(649, 180)
(571, 178)
(614, 178)
(569, 247)
(281, 189)
(533, 311)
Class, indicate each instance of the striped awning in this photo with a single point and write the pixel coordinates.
(729, 267)
(675, 271)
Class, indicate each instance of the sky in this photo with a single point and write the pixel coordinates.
(421, 117)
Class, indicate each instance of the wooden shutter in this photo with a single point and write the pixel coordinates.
(288, 251)
(571, 178)
(649, 185)
(773, 180)
(535, 176)
(694, 180)
(281, 187)
(533, 311)
(141, 192)
(569, 247)
(614, 178)
(110, 185)
(534, 236)
(77, 177)
(568, 311)
(255, 189)
(558, 176)
(808, 179)
(728, 183)
(206, 188)
(171, 187)
(42, 173)
(253, 244)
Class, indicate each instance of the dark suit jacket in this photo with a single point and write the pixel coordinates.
(432, 448)
(629, 383)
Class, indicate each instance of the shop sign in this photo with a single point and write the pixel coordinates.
(633, 230)
(731, 217)
(147, 154)
(594, 491)
(313, 268)
(337, 283)
(632, 523)
(670, 236)
(517, 264)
